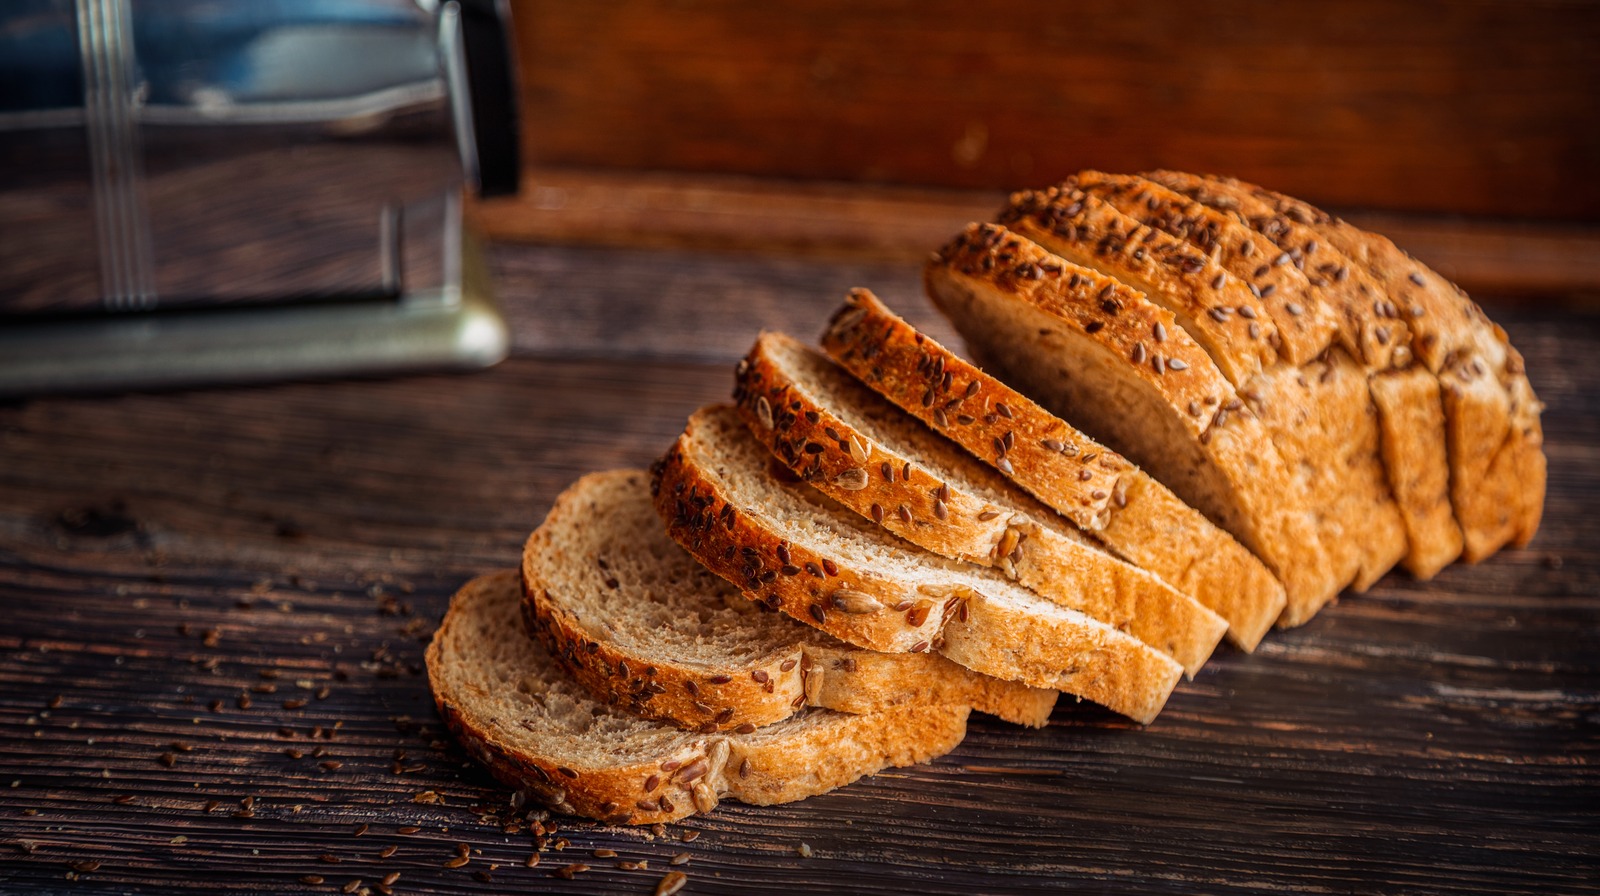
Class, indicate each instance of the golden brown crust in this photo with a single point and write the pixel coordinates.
(1033, 643)
(1410, 410)
(1210, 565)
(697, 699)
(1497, 491)
(1374, 333)
(1323, 413)
(875, 480)
(1146, 519)
(791, 578)
(696, 774)
(1090, 304)
(1307, 326)
(1219, 311)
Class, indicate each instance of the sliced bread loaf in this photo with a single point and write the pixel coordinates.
(1406, 394)
(1493, 432)
(792, 397)
(1135, 517)
(781, 542)
(514, 710)
(1237, 328)
(1096, 351)
(1143, 520)
(1316, 401)
(645, 627)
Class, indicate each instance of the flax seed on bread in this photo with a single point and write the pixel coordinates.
(1051, 338)
(1494, 436)
(646, 628)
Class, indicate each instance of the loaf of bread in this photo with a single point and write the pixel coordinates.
(1112, 500)
(1491, 415)
(1193, 407)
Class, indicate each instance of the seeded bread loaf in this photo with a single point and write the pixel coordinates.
(1493, 432)
(1237, 329)
(1176, 274)
(1316, 401)
(782, 543)
(1092, 349)
(1405, 394)
(641, 624)
(510, 705)
(1140, 520)
(870, 456)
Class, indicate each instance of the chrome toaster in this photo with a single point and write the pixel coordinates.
(200, 191)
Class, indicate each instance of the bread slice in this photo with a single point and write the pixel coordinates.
(1236, 328)
(1316, 402)
(1136, 518)
(1089, 348)
(1405, 394)
(784, 544)
(1493, 433)
(976, 515)
(641, 624)
(510, 705)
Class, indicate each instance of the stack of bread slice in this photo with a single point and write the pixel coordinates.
(1199, 409)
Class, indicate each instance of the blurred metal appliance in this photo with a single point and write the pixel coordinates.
(198, 191)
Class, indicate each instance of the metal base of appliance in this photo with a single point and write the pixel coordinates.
(447, 328)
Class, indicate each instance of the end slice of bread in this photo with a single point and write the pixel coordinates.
(510, 705)
(728, 502)
(645, 627)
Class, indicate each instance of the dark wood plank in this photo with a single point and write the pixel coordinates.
(855, 223)
(1425, 737)
(1481, 108)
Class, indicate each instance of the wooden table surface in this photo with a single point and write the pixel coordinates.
(216, 603)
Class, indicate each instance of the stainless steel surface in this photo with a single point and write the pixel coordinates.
(455, 327)
(162, 155)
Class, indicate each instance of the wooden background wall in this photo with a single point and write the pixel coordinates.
(655, 120)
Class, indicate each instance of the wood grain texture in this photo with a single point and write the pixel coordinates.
(1479, 108)
(857, 222)
(1425, 737)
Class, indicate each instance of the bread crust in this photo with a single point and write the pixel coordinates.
(1307, 326)
(1323, 413)
(1410, 409)
(886, 609)
(694, 776)
(1017, 538)
(1235, 327)
(774, 684)
(1495, 438)
(1144, 519)
(1269, 514)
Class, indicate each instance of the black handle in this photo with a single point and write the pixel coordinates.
(491, 83)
